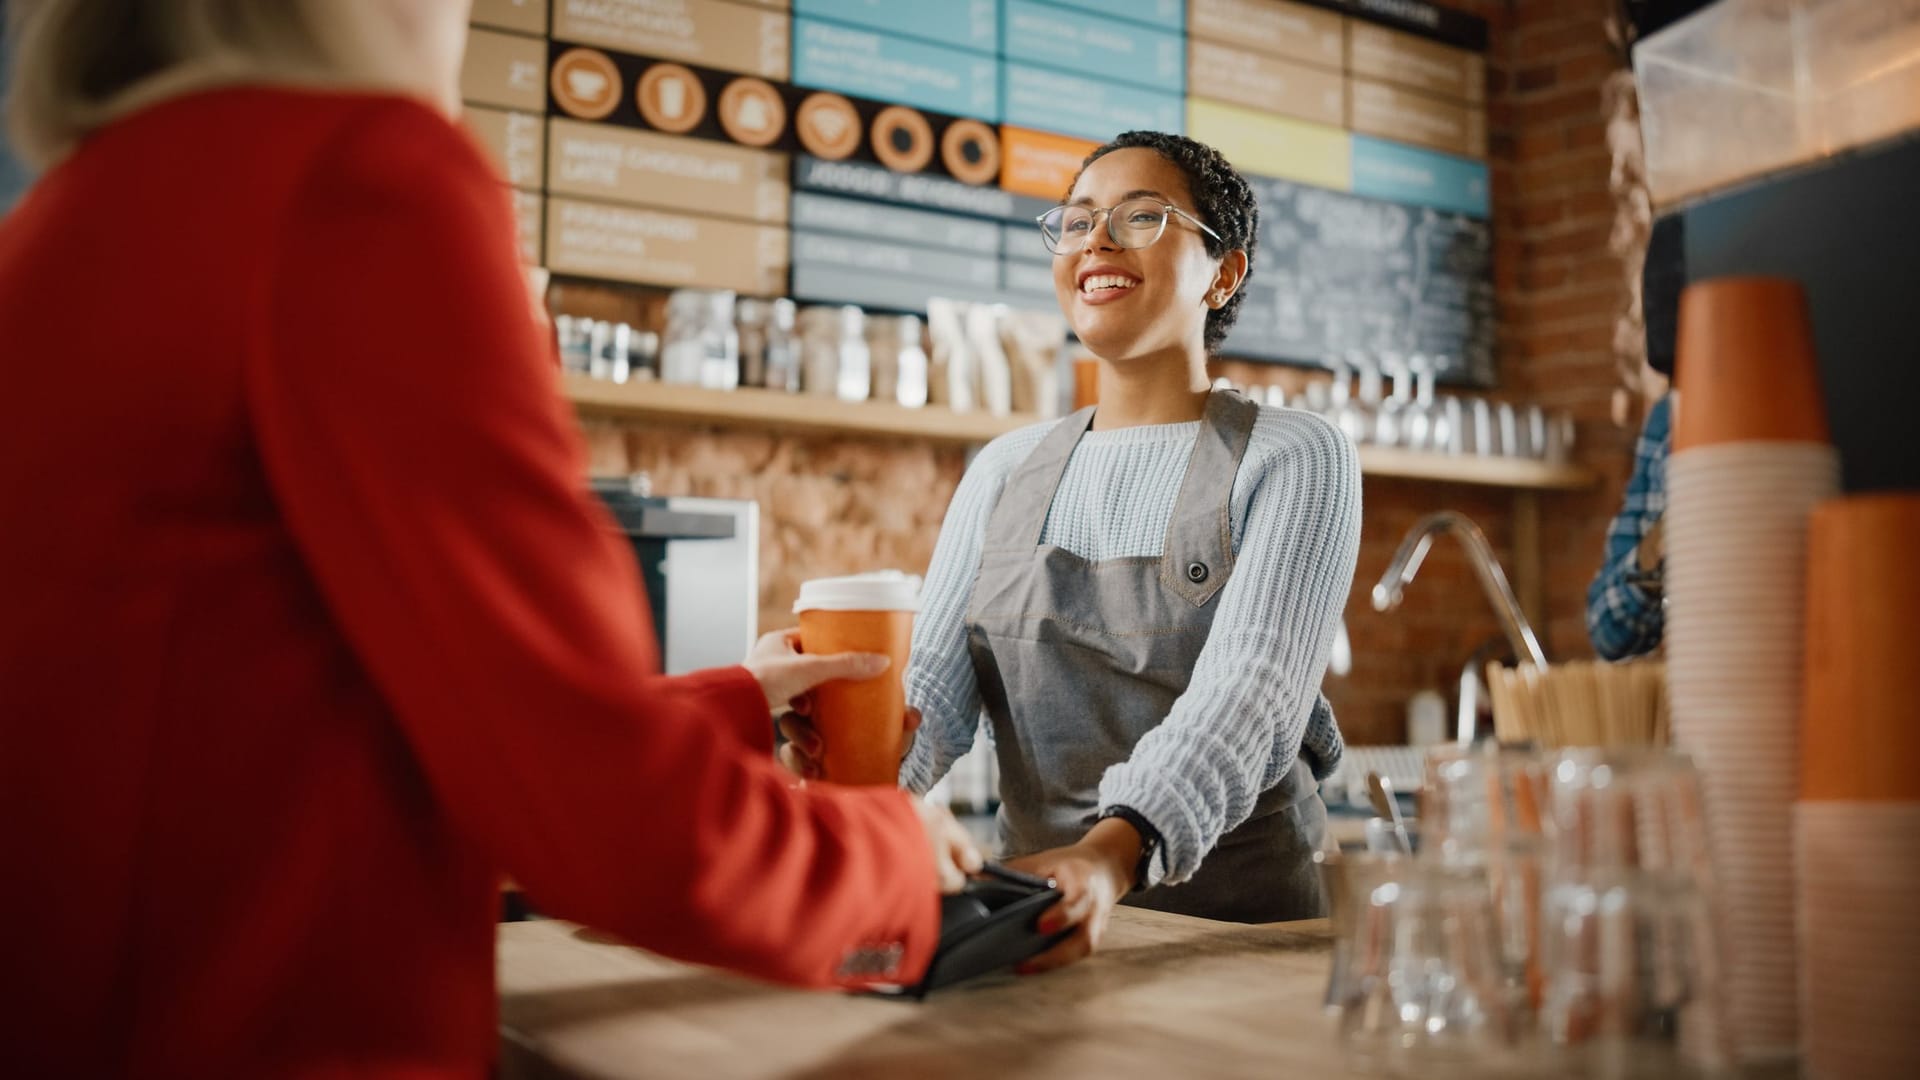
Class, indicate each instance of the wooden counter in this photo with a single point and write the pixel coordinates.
(1166, 996)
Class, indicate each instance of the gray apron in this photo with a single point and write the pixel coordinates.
(1078, 660)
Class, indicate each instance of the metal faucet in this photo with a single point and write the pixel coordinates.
(1413, 550)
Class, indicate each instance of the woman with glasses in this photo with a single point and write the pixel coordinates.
(1143, 596)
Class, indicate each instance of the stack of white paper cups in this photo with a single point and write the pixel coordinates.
(1751, 459)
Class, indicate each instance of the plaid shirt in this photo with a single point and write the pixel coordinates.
(1624, 616)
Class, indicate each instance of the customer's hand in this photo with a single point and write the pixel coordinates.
(1092, 876)
(785, 673)
(805, 748)
(955, 855)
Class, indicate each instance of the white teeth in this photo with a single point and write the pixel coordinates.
(1106, 281)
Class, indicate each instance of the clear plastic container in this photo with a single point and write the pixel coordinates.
(1749, 87)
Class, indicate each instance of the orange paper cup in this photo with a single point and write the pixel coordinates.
(860, 722)
(1859, 737)
(1745, 365)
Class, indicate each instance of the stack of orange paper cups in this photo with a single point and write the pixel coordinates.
(1858, 822)
(1751, 459)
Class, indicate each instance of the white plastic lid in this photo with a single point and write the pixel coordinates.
(885, 590)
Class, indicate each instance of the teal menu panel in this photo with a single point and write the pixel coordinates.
(1058, 37)
(866, 181)
(971, 24)
(1405, 174)
(826, 283)
(863, 254)
(1030, 280)
(1022, 243)
(895, 224)
(895, 69)
(1087, 108)
(1165, 14)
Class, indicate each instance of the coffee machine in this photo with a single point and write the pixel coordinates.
(699, 559)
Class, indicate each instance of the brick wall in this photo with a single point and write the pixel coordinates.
(838, 505)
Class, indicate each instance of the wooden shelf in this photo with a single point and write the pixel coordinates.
(1488, 471)
(777, 410)
(772, 409)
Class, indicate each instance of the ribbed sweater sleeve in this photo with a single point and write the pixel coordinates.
(940, 680)
(1239, 726)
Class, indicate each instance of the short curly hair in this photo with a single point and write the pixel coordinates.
(1224, 199)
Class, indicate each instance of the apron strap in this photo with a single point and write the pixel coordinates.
(1198, 557)
(1021, 514)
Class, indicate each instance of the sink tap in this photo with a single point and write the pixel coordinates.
(1413, 550)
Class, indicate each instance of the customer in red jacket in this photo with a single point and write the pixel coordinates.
(308, 626)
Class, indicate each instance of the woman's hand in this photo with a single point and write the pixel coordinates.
(805, 748)
(785, 673)
(955, 855)
(1092, 875)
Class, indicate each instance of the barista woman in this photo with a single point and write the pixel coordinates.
(1143, 596)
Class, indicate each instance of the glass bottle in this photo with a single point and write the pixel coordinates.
(783, 348)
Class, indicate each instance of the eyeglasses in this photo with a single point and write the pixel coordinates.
(1136, 223)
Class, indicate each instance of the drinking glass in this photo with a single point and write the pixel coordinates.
(1633, 963)
(1486, 806)
(1419, 990)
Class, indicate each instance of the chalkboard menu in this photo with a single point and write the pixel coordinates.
(1334, 273)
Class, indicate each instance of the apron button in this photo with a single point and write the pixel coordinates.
(1196, 572)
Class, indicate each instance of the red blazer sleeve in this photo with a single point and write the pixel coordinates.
(409, 421)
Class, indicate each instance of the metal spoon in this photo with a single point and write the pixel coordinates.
(1388, 807)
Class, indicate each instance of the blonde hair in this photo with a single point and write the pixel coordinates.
(80, 64)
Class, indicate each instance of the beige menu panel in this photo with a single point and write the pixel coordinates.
(1391, 112)
(710, 33)
(528, 208)
(519, 16)
(653, 247)
(516, 140)
(1376, 52)
(615, 164)
(505, 70)
(1263, 82)
(1292, 31)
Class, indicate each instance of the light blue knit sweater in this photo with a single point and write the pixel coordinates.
(1249, 709)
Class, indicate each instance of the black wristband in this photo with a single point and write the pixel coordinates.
(1149, 839)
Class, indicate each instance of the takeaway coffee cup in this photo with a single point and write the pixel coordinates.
(860, 722)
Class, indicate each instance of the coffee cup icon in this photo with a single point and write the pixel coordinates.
(588, 85)
(673, 98)
(585, 83)
(751, 112)
(830, 125)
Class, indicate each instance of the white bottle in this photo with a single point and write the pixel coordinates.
(1426, 718)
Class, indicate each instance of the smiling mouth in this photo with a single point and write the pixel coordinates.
(1106, 285)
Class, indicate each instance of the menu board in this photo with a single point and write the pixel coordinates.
(712, 33)
(881, 152)
(516, 140)
(1038, 33)
(1336, 272)
(895, 69)
(652, 247)
(616, 164)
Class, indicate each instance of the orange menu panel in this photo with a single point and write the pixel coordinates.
(1040, 164)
